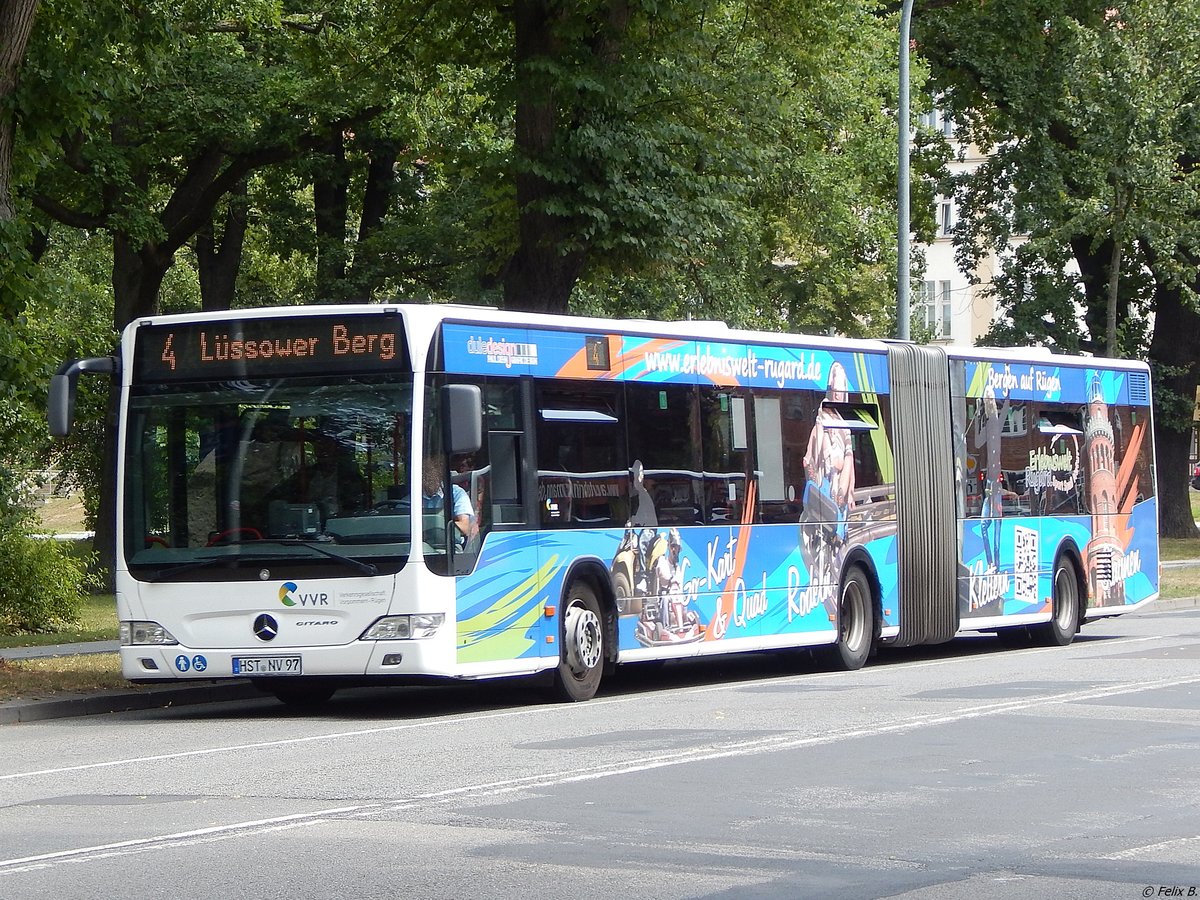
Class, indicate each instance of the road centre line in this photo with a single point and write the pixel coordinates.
(769, 744)
(551, 709)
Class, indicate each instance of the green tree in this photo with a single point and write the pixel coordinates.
(1089, 114)
(167, 109)
(655, 139)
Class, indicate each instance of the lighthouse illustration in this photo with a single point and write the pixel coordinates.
(1104, 553)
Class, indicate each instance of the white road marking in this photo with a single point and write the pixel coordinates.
(1148, 851)
(769, 744)
(549, 710)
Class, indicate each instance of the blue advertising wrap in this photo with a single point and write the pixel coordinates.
(489, 350)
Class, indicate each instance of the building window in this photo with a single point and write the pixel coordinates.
(933, 302)
(937, 120)
(947, 125)
(946, 219)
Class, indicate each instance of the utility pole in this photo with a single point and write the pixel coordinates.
(902, 212)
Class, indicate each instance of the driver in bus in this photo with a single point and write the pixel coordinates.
(433, 498)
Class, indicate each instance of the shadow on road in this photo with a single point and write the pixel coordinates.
(401, 703)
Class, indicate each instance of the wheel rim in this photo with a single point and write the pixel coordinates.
(1064, 598)
(584, 639)
(853, 624)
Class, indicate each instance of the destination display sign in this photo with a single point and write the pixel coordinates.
(266, 347)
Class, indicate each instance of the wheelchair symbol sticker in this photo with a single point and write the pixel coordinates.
(199, 663)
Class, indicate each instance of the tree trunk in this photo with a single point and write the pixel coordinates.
(137, 277)
(16, 24)
(541, 273)
(377, 193)
(218, 266)
(364, 274)
(1173, 351)
(331, 187)
(1114, 283)
(1093, 273)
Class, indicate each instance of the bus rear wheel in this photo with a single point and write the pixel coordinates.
(856, 621)
(1064, 620)
(581, 645)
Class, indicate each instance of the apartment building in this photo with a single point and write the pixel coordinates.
(954, 306)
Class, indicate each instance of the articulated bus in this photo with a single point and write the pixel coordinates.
(320, 497)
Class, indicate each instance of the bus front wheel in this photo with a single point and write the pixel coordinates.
(298, 693)
(581, 645)
(856, 621)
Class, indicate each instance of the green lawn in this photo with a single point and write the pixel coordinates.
(97, 622)
(1179, 548)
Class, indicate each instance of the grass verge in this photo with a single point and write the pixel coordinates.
(40, 679)
(97, 622)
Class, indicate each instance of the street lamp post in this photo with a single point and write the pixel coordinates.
(902, 264)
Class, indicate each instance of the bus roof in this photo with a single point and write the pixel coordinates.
(423, 318)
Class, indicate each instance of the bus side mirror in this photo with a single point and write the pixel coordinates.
(60, 404)
(462, 405)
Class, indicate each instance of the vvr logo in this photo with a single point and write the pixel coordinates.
(290, 595)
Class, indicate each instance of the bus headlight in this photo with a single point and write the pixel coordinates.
(137, 633)
(403, 628)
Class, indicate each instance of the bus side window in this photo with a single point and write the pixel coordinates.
(504, 447)
(583, 473)
(662, 437)
(783, 422)
(723, 455)
(866, 464)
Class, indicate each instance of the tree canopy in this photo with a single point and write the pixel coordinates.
(726, 159)
(1089, 115)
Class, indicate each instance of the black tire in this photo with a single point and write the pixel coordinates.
(298, 693)
(581, 647)
(856, 621)
(1064, 620)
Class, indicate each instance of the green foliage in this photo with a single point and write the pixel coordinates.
(1088, 114)
(1089, 111)
(750, 143)
(65, 313)
(42, 583)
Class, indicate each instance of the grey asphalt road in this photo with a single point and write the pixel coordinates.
(964, 770)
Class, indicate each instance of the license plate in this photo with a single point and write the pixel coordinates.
(266, 665)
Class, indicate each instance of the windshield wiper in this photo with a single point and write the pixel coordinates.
(234, 560)
(357, 564)
(210, 561)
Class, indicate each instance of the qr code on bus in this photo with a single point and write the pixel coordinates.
(1025, 565)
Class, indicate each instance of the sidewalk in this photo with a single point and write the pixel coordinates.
(161, 696)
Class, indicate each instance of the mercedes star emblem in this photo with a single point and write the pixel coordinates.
(266, 627)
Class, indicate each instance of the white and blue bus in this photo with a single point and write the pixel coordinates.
(325, 496)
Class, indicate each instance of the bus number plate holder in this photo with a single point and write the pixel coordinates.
(267, 665)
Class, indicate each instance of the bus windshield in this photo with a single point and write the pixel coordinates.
(310, 472)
